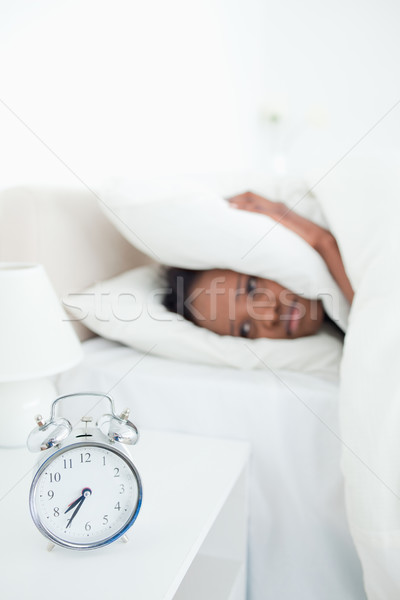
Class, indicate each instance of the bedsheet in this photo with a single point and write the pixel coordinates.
(299, 543)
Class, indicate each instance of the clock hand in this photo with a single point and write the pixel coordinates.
(78, 503)
(85, 492)
(81, 501)
(73, 504)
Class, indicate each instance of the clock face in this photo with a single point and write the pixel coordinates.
(85, 495)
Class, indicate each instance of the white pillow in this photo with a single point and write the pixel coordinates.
(188, 224)
(129, 309)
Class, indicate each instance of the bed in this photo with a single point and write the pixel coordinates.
(299, 544)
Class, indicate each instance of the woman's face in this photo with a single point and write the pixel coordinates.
(231, 303)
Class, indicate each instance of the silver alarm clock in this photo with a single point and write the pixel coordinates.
(86, 492)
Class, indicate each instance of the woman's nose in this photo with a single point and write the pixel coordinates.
(269, 316)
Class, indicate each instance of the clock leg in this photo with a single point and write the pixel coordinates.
(50, 546)
(124, 538)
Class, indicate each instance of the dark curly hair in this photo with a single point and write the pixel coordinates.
(179, 283)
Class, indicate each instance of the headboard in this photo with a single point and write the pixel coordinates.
(65, 230)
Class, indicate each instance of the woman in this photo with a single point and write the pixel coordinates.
(231, 303)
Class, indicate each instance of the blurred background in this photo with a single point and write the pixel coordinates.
(93, 87)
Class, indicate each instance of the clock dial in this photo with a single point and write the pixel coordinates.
(85, 495)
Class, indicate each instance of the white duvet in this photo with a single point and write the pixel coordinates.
(361, 201)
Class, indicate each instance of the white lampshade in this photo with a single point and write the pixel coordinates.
(36, 338)
(36, 341)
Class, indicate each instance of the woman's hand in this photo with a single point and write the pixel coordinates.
(319, 238)
(255, 203)
(312, 233)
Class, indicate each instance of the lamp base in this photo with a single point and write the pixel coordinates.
(20, 402)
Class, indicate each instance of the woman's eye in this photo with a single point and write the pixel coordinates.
(251, 284)
(244, 329)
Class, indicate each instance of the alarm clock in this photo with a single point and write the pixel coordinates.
(86, 492)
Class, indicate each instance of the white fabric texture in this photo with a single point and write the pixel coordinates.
(362, 202)
(128, 309)
(188, 223)
(299, 544)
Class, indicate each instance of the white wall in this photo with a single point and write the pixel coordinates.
(162, 86)
(340, 57)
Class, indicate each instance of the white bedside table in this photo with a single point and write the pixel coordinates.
(188, 543)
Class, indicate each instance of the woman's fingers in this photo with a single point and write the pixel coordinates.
(246, 204)
(243, 201)
(242, 198)
(255, 203)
